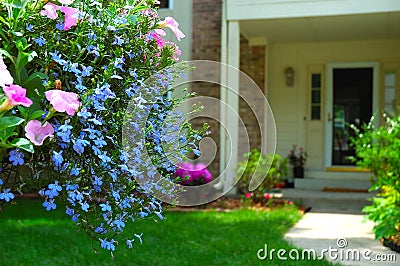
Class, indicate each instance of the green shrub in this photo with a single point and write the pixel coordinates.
(272, 168)
(378, 149)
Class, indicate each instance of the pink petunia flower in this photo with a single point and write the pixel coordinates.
(50, 10)
(71, 13)
(37, 133)
(5, 76)
(16, 95)
(71, 16)
(159, 40)
(248, 195)
(63, 101)
(170, 22)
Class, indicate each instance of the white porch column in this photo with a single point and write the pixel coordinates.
(230, 139)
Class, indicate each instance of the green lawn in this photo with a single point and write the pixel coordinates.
(31, 236)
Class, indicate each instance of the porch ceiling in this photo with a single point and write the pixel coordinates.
(329, 28)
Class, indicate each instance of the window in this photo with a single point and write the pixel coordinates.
(165, 4)
(390, 92)
(316, 96)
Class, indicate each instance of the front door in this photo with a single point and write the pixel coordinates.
(350, 100)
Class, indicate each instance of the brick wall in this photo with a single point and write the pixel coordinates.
(252, 62)
(206, 44)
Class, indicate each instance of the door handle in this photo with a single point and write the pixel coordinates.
(329, 117)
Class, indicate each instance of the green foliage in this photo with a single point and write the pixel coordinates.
(272, 168)
(377, 148)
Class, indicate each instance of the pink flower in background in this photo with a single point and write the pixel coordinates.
(170, 22)
(63, 101)
(50, 10)
(16, 95)
(37, 133)
(198, 173)
(5, 76)
(248, 195)
(71, 13)
(71, 16)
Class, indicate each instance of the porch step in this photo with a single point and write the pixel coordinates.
(329, 202)
(319, 184)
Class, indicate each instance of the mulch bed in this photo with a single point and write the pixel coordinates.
(227, 204)
(350, 190)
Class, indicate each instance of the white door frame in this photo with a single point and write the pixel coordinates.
(329, 98)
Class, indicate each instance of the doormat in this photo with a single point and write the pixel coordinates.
(340, 189)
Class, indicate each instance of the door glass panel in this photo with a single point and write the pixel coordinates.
(352, 104)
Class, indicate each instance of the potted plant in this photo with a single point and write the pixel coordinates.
(271, 167)
(297, 159)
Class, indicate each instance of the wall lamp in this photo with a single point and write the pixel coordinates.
(289, 75)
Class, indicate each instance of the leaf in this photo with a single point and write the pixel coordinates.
(21, 44)
(23, 144)
(36, 114)
(7, 54)
(10, 121)
(2, 20)
(24, 111)
(9, 134)
(18, 33)
(25, 58)
(33, 78)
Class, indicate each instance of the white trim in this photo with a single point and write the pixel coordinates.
(265, 136)
(232, 99)
(224, 60)
(272, 9)
(329, 98)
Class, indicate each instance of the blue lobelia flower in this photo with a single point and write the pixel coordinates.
(69, 211)
(49, 205)
(92, 36)
(85, 206)
(29, 27)
(105, 207)
(84, 113)
(118, 41)
(60, 25)
(129, 242)
(119, 224)
(16, 157)
(107, 244)
(6, 195)
(57, 158)
(40, 41)
(86, 71)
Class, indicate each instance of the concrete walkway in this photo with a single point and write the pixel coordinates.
(345, 235)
